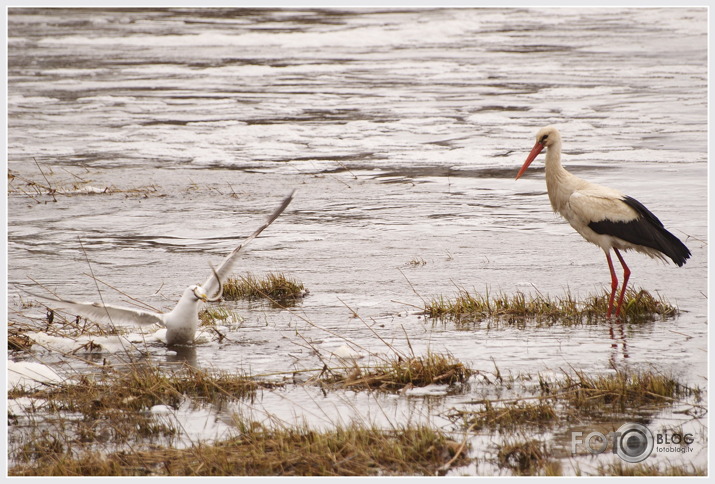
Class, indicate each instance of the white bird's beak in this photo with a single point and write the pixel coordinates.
(201, 294)
(538, 148)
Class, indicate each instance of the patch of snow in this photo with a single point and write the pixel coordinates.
(28, 375)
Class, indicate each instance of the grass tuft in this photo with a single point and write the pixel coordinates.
(621, 390)
(213, 315)
(510, 415)
(273, 286)
(345, 451)
(18, 341)
(639, 306)
(140, 387)
(398, 372)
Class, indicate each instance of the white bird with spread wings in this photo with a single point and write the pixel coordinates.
(182, 321)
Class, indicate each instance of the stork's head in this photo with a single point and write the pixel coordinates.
(548, 136)
(545, 138)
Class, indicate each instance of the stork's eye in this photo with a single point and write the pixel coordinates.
(544, 138)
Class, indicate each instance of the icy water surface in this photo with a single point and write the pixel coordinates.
(402, 131)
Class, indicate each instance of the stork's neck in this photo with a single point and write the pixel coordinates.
(560, 184)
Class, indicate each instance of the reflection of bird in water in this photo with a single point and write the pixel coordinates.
(622, 338)
(603, 216)
(184, 354)
(182, 321)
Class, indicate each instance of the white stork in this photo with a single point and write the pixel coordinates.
(603, 216)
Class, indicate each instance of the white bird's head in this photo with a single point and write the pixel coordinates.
(198, 292)
(545, 138)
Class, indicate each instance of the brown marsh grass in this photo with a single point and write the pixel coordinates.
(213, 315)
(139, 387)
(354, 450)
(276, 287)
(529, 457)
(400, 371)
(645, 469)
(575, 397)
(510, 415)
(611, 392)
(621, 390)
(639, 306)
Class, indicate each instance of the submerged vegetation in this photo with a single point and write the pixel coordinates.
(576, 395)
(47, 184)
(638, 306)
(573, 400)
(645, 469)
(509, 415)
(276, 287)
(527, 457)
(114, 407)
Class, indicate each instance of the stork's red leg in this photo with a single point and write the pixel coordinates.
(614, 284)
(626, 275)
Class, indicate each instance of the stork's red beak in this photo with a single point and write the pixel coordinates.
(538, 147)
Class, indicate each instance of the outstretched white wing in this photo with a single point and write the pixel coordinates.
(105, 312)
(211, 285)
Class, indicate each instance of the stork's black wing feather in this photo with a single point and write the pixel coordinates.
(646, 230)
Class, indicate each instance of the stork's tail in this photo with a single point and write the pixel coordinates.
(673, 248)
(646, 231)
(659, 237)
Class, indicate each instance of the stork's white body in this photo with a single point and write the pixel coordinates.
(581, 202)
(602, 215)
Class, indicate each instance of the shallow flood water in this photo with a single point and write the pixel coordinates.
(402, 131)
